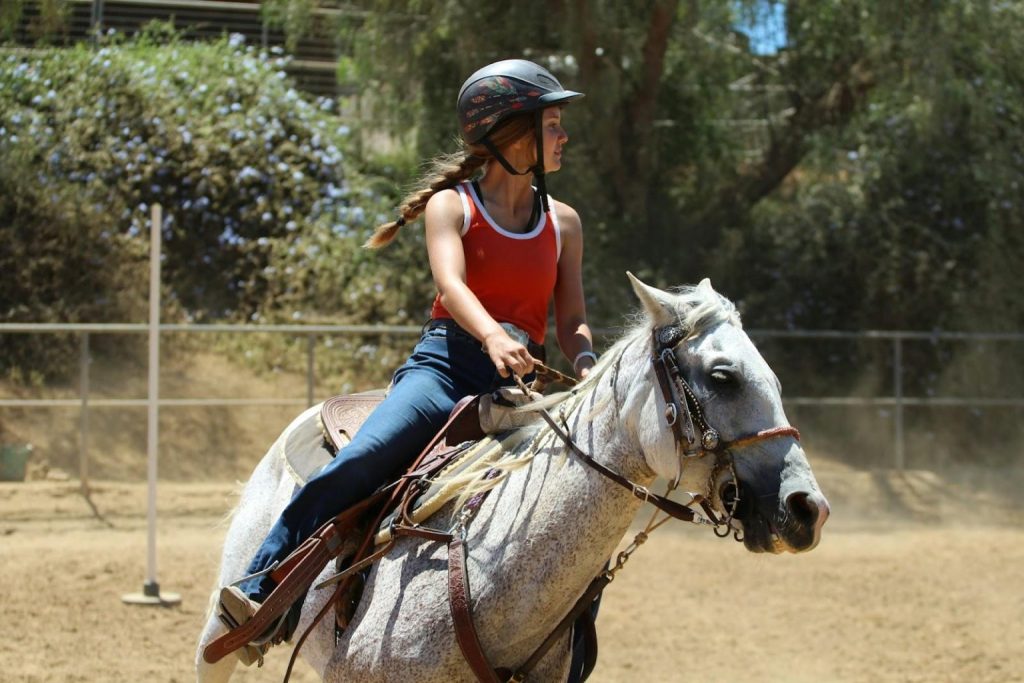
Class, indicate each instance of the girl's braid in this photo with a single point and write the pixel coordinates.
(446, 172)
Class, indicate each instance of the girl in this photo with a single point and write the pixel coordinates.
(500, 251)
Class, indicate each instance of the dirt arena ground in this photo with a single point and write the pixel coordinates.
(915, 581)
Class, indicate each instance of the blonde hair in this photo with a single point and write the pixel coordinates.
(448, 170)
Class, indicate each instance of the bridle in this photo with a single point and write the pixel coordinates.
(684, 415)
(694, 437)
(692, 434)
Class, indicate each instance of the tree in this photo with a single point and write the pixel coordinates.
(660, 176)
(660, 168)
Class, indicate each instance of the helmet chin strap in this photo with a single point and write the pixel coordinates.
(537, 169)
(501, 158)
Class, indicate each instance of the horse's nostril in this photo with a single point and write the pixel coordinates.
(802, 508)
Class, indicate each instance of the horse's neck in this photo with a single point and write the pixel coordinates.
(555, 523)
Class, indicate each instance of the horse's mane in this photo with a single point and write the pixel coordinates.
(697, 308)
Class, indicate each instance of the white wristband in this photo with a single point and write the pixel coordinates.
(583, 354)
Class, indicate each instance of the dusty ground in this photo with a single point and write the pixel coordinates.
(910, 584)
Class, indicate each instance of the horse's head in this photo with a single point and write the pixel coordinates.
(714, 420)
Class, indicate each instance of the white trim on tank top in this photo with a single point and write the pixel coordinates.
(558, 231)
(500, 230)
(465, 208)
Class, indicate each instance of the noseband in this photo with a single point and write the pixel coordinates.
(685, 417)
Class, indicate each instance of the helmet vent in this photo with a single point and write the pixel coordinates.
(546, 80)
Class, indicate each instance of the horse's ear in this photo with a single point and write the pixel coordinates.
(658, 303)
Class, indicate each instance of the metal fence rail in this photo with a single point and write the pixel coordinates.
(897, 400)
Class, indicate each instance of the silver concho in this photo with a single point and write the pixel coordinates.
(670, 335)
(710, 440)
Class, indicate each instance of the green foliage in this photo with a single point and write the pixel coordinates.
(341, 280)
(836, 153)
(215, 133)
(294, 16)
(10, 15)
(909, 217)
(264, 208)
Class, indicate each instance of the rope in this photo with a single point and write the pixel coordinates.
(623, 557)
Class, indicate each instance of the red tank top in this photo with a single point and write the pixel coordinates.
(513, 274)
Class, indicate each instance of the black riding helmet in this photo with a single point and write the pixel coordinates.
(502, 89)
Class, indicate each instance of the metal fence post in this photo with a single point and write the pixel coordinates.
(310, 351)
(96, 20)
(83, 415)
(897, 382)
(151, 594)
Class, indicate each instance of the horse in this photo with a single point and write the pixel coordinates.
(682, 396)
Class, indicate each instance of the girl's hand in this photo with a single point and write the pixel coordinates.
(508, 355)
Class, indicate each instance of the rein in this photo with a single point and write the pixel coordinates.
(666, 505)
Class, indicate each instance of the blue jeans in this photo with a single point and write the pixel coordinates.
(446, 365)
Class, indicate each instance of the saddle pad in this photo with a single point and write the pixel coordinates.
(442, 489)
(301, 446)
(304, 444)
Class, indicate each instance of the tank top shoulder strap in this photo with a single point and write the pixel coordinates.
(467, 201)
(556, 228)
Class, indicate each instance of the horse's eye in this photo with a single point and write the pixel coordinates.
(723, 377)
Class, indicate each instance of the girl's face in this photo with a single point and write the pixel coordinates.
(555, 138)
(524, 150)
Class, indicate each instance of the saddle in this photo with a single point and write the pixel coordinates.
(342, 416)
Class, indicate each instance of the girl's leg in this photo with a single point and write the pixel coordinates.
(426, 389)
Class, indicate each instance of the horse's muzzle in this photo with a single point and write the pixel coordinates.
(806, 514)
(794, 527)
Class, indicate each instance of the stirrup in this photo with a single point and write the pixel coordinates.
(235, 610)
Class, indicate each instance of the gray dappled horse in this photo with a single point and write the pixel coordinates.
(552, 522)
